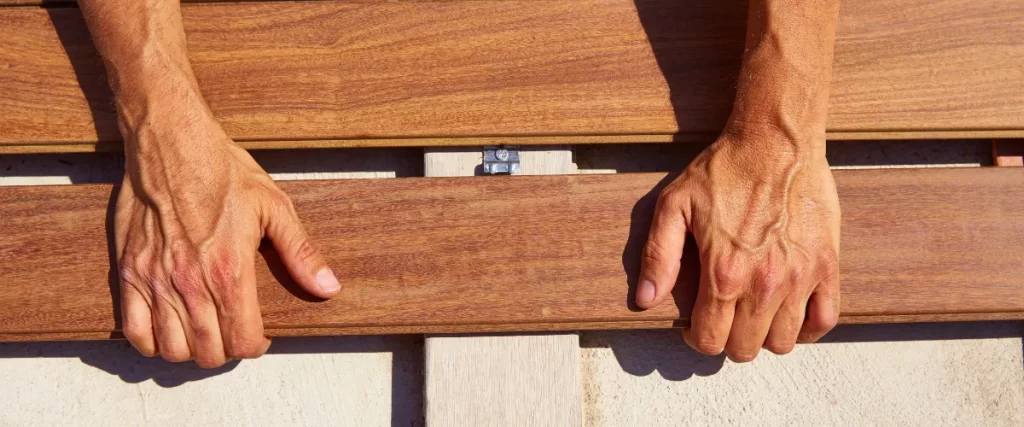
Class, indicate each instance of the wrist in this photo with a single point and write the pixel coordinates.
(773, 141)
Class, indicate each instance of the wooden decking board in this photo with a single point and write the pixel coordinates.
(419, 255)
(473, 72)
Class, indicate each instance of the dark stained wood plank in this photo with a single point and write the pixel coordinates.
(472, 72)
(428, 255)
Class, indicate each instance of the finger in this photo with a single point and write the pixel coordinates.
(299, 255)
(749, 329)
(170, 333)
(785, 329)
(822, 311)
(207, 343)
(137, 320)
(659, 266)
(240, 320)
(711, 320)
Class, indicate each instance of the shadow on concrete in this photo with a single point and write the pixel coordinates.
(119, 358)
(642, 353)
(924, 332)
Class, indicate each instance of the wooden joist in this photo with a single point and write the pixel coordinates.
(479, 72)
(437, 255)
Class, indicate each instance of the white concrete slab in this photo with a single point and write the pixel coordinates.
(371, 381)
(956, 375)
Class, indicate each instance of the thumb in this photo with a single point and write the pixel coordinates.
(303, 261)
(659, 267)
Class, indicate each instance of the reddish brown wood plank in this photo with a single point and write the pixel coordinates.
(474, 72)
(531, 253)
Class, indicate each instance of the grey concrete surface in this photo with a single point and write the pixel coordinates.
(931, 374)
(889, 375)
(364, 381)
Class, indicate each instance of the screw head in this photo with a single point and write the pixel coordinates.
(501, 154)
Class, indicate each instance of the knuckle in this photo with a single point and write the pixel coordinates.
(160, 288)
(671, 198)
(827, 322)
(132, 333)
(729, 281)
(224, 276)
(828, 263)
(138, 339)
(245, 347)
(223, 271)
(306, 251)
(128, 270)
(798, 273)
(654, 252)
(768, 284)
(281, 203)
(175, 353)
(202, 331)
(189, 285)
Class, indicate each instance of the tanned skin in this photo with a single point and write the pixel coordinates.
(194, 206)
(760, 201)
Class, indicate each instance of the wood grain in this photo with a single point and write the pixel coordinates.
(430, 255)
(519, 380)
(372, 73)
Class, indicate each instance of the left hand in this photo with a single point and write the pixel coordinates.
(765, 215)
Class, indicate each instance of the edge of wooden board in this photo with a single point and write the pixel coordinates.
(116, 146)
(517, 327)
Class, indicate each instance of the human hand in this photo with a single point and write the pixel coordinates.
(190, 216)
(765, 215)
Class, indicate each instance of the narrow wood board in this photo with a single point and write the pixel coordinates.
(502, 380)
(462, 72)
(438, 255)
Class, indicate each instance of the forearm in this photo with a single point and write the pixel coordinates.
(782, 93)
(142, 43)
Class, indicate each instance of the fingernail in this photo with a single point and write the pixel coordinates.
(645, 292)
(327, 282)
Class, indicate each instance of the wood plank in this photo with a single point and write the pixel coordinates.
(502, 380)
(371, 73)
(437, 255)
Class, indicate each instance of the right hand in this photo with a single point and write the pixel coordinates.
(190, 216)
